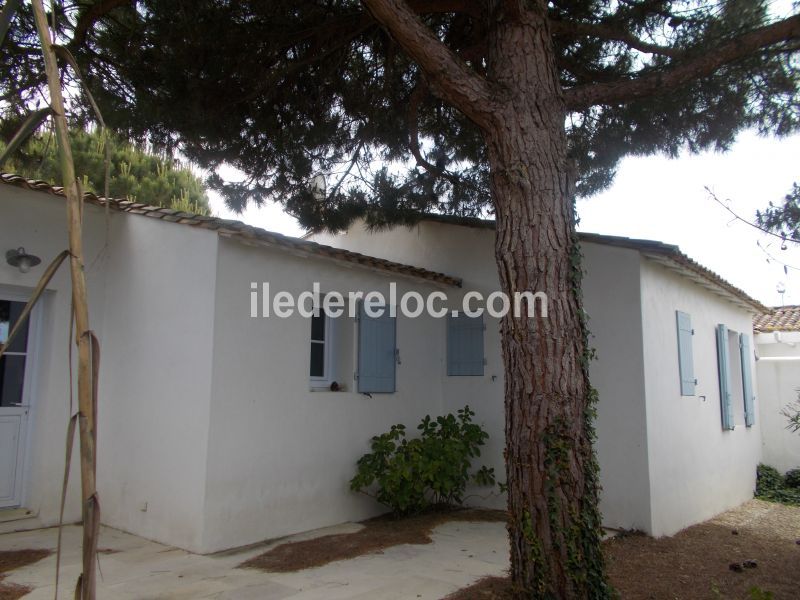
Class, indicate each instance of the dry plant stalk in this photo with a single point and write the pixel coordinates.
(86, 419)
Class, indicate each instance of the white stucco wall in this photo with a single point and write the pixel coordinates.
(280, 456)
(155, 370)
(611, 290)
(209, 434)
(37, 221)
(155, 384)
(467, 253)
(612, 300)
(778, 386)
(697, 470)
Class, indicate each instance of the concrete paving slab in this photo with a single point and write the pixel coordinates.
(137, 569)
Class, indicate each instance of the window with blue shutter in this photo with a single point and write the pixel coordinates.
(464, 345)
(685, 353)
(723, 363)
(377, 352)
(745, 353)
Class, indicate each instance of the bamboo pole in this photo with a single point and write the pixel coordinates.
(86, 411)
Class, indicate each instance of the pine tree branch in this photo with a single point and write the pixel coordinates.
(448, 76)
(583, 74)
(471, 7)
(90, 16)
(737, 217)
(345, 175)
(606, 32)
(702, 65)
(417, 96)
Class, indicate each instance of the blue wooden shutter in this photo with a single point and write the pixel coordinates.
(685, 354)
(464, 345)
(723, 363)
(747, 380)
(377, 352)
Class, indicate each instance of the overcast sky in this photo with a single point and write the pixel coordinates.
(664, 199)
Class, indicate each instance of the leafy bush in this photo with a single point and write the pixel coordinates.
(768, 479)
(410, 475)
(772, 486)
(793, 479)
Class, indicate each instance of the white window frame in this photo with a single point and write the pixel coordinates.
(26, 353)
(327, 356)
(30, 392)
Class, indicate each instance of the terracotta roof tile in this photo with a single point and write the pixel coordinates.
(240, 230)
(668, 254)
(779, 318)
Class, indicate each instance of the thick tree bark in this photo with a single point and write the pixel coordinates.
(552, 474)
(551, 470)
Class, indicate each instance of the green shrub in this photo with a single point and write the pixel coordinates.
(409, 475)
(772, 486)
(768, 479)
(792, 414)
(793, 479)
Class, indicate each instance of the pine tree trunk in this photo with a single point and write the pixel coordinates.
(552, 473)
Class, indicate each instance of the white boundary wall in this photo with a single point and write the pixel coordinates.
(778, 386)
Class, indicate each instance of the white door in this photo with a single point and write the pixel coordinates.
(13, 408)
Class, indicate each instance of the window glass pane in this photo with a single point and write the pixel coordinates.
(12, 375)
(9, 313)
(318, 327)
(317, 360)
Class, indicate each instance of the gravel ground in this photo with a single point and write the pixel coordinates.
(746, 551)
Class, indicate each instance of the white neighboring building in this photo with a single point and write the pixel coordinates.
(217, 429)
(778, 349)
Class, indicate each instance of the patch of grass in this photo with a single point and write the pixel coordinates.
(15, 559)
(756, 593)
(377, 535)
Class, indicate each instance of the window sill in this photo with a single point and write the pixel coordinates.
(327, 388)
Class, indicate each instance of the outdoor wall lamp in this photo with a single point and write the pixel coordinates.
(22, 260)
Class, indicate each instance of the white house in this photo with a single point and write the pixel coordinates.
(671, 454)
(778, 367)
(219, 429)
